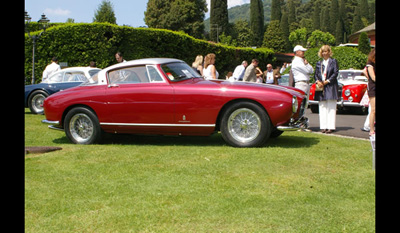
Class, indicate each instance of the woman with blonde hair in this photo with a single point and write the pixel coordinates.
(198, 64)
(209, 70)
(326, 73)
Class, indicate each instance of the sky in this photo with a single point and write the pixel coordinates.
(127, 12)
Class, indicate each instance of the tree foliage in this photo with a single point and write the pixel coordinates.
(363, 43)
(274, 37)
(319, 38)
(105, 13)
(177, 15)
(218, 18)
(257, 20)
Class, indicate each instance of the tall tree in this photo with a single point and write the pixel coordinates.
(177, 15)
(284, 25)
(276, 13)
(292, 12)
(333, 16)
(257, 20)
(339, 32)
(317, 16)
(105, 13)
(363, 43)
(218, 18)
(324, 19)
(357, 22)
(364, 9)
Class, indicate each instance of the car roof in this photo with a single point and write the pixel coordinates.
(80, 68)
(144, 61)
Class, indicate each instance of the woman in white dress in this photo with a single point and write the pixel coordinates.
(209, 70)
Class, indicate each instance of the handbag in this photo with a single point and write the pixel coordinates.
(317, 88)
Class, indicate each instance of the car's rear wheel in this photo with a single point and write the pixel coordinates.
(35, 102)
(82, 126)
(245, 124)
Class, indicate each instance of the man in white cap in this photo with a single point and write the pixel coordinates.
(301, 70)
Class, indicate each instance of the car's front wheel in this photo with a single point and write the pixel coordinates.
(82, 126)
(245, 124)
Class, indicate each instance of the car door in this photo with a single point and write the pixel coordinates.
(139, 99)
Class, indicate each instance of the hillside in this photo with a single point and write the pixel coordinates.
(243, 12)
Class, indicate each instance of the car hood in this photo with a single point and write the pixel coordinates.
(244, 85)
(351, 82)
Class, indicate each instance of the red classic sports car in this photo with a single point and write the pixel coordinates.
(166, 96)
(352, 87)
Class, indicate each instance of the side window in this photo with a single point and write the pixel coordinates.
(56, 78)
(74, 76)
(154, 75)
(128, 75)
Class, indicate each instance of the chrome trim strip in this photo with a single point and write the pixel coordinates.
(158, 125)
(50, 122)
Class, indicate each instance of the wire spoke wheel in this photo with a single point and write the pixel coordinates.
(81, 127)
(244, 125)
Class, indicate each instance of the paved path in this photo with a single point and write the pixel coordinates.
(347, 124)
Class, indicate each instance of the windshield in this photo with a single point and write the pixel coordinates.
(349, 75)
(93, 77)
(179, 71)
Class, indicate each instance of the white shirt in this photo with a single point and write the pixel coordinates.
(50, 69)
(207, 72)
(301, 72)
(325, 63)
(270, 77)
(239, 72)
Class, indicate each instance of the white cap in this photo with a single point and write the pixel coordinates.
(299, 47)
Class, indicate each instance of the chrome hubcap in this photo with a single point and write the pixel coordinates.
(81, 127)
(37, 102)
(244, 125)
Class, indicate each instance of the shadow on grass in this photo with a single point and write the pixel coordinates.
(286, 141)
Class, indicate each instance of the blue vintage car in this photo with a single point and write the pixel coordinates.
(61, 80)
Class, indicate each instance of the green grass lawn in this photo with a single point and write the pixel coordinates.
(299, 182)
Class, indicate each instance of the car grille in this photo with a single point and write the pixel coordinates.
(340, 89)
(302, 107)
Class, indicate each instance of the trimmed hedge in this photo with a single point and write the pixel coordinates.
(347, 57)
(79, 43)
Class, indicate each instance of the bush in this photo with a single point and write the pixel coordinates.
(79, 43)
(347, 57)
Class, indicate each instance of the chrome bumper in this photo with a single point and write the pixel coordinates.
(301, 123)
(53, 124)
(339, 103)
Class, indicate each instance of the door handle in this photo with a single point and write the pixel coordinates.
(113, 85)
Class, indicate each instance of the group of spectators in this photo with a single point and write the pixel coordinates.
(326, 73)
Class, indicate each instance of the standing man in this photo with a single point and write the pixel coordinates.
(250, 73)
(119, 57)
(301, 70)
(51, 68)
(271, 76)
(238, 73)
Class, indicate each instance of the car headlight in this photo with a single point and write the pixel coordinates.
(351, 99)
(295, 104)
(347, 92)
